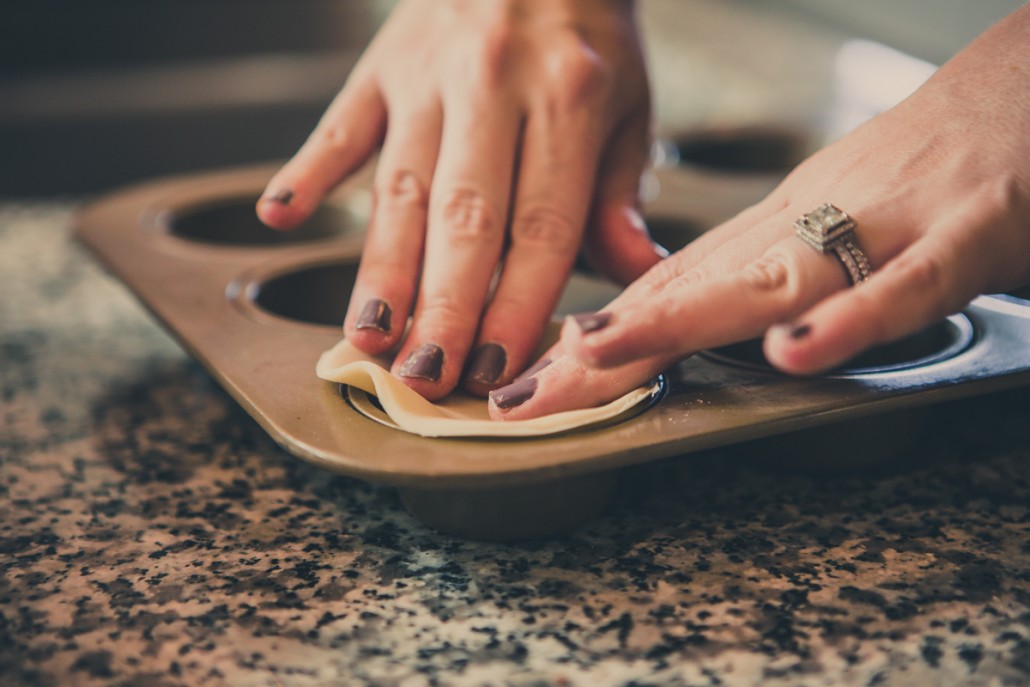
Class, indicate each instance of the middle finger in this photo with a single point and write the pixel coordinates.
(468, 209)
(558, 165)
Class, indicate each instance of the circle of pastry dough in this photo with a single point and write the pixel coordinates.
(459, 414)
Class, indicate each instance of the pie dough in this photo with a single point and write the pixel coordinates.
(378, 394)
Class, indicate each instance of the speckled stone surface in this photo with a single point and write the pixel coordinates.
(152, 535)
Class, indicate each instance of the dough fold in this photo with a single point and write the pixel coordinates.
(369, 381)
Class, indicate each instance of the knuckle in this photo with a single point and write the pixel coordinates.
(575, 74)
(492, 54)
(513, 306)
(685, 280)
(776, 280)
(545, 228)
(923, 273)
(467, 217)
(660, 277)
(1000, 195)
(382, 264)
(769, 273)
(402, 188)
(334, 137)
(443, 311)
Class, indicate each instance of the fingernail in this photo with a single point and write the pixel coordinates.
(515, 394)
(539, 365)
(283, 197)
(425, 362)
(591, 322)
(487, 363)
(375, 315)
(799, 331)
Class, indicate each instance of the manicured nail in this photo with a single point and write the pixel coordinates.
(799, 331)
(487, 364)
(536, 367)
(515, 394)
(375, 315)
(425, 362)
(591, 322)
(283, 197)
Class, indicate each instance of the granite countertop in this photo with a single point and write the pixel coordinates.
(151, 534)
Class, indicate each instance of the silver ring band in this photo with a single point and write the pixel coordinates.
(829, 229)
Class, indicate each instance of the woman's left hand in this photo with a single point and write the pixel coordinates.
(510, 130)
(939, 189)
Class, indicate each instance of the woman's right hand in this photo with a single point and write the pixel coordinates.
(939, 189)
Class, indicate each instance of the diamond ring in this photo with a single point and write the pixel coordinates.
(830, 229)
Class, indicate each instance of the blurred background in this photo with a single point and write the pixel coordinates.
(98, 94)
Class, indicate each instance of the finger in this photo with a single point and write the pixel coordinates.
(737, 290)
(565, 384)
(557, 170)
(467, 215)
(717, 250)
(932, 278)
(384, 291)
(348, 133)
(571, 384)
(692, 313)
(617, 242)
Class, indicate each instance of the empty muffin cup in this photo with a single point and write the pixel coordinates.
(745, 150)
(313, 294)
(673, 233)
(318, 293)
(936, 343)
(712, 174)
(234, 222)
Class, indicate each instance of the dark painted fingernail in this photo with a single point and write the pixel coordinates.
(487, 364)
(375, 315)
(425, 362)
(282, 197)
(591, 322)
(799, 331)
(536, 367)
(515, 394)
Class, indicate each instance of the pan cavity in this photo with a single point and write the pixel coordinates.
(233, 222)
(319, 293)
(935, 344)
(673, 233)
(316, 294)
(668, 231)
(753, 150)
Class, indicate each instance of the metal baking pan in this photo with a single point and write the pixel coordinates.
(257, 307)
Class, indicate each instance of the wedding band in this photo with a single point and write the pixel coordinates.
(830, 229)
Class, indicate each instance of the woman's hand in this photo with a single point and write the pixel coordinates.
(508, 129)
(939, 188)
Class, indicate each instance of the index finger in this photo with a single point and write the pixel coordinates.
(346, 135)
(690, 314)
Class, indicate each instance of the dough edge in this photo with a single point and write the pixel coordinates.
(456, 417)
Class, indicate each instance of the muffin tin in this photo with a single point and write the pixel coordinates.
(257, 307)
